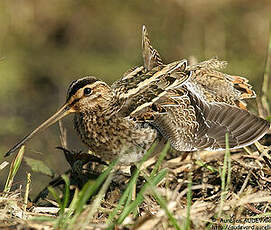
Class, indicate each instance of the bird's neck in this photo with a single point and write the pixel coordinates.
(98, 113)
(95, 128)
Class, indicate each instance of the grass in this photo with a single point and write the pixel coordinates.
(204, 196)
(187, 223)
(231, 185)
(225, 176)
(15, 165)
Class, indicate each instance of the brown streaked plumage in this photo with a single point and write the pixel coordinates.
(215, 86)
(206, 81)
(184, 104)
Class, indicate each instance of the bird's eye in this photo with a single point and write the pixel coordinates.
(87, 91)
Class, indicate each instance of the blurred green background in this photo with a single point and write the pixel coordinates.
(44, 45)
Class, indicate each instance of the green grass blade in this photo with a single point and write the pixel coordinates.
(27, 189)
(130, 185)
(226, 169)
(189, 202)
(55, 195)
(140, 197)
(205, 165)
(15, 165)
(121, 202)
(75, 199)
(91, 187)
(96, 203)
(66, 194)
(228, 153)
(160, 159)
(163, 204)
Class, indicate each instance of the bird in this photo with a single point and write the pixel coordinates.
(191, 106)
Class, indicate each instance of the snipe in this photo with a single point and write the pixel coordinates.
(191, 106)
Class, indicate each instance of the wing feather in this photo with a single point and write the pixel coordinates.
(192, 124)
(151, 57)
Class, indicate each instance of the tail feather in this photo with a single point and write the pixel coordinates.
(258, 129)
(242, 126)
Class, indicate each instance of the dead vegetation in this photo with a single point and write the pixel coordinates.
(199, 191)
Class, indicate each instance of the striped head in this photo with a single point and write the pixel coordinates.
(84, 95)
(87, 94)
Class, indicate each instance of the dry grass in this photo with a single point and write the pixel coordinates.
(245, 197)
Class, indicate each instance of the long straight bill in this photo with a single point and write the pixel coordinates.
(62, 112)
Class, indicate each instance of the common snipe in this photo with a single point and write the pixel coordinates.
(191, 106)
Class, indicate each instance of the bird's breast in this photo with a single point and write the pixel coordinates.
(111, 136)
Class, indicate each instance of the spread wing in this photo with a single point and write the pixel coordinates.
(192, 124)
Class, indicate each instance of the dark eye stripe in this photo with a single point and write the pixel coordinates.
(78, 84)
